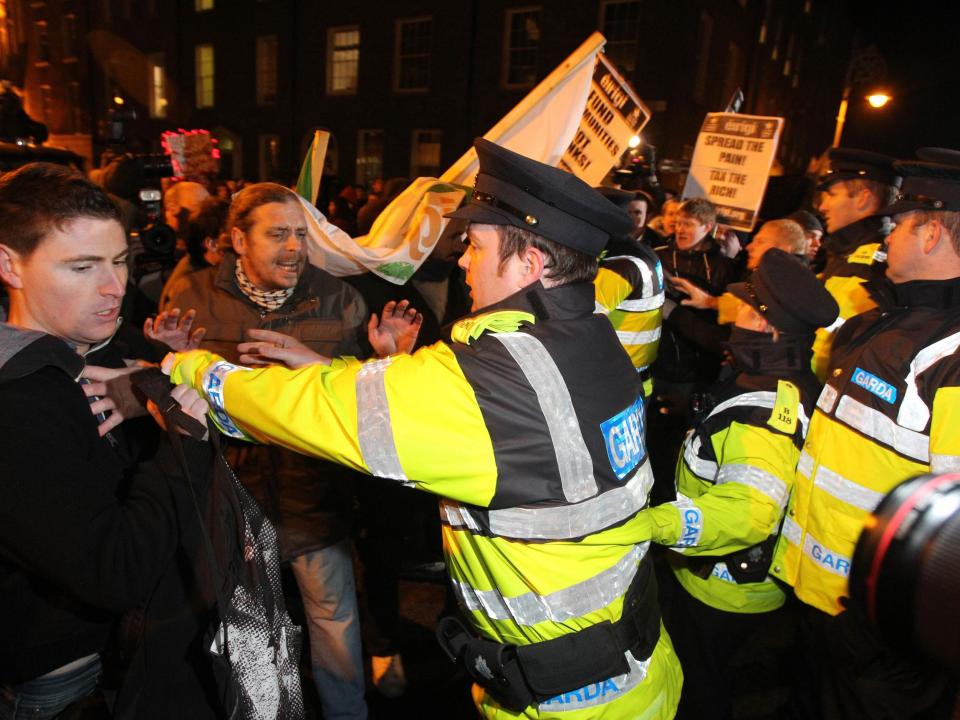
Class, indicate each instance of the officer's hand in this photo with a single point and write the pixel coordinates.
(268, 347)
(190, 402)
(173, 330)
(396, 331)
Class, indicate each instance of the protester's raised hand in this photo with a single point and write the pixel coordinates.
(268, 347)
(173, 329)
(396, 330)
(697, 297)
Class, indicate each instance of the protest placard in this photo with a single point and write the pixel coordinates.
(612, 115)
(731, 164)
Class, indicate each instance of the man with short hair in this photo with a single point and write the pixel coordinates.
(528, 424)
(887, 413)
(857, 185)
(84, 533)
(639, 209)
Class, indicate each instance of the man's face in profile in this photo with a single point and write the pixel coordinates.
(73, 282)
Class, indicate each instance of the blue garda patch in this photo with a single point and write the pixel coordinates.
(871, 383)
(623, 436)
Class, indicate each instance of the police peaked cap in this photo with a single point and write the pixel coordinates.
(514, 190)
(850, 164)
(928, 185)
(620, 198)
(787, 294)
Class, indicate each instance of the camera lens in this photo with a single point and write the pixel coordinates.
(906, 567)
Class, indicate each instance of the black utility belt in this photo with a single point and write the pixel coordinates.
(518, 676)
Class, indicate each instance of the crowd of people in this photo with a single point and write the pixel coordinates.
(654, 441)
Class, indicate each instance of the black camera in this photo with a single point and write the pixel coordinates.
(905, 574)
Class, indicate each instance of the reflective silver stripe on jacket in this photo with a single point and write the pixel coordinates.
(646, 274)
(805, 464)
(643, 304)
(564, 521)
(828, 396)
(835, 325)
(761, 480)
(573, 458)
(791, 531)
(845, 490)
(638, 338)
(876, 425)
(760, 398)
(914, 413)
(373, 422)
(944, 463)
(702, 468)
(604, 691)
(579, 599)
(600, 309)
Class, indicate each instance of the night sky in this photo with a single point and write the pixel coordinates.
(922, 52)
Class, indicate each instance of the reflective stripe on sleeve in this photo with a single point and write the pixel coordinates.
(752, 476)
(878, 426)
(600, 308)
(573, 458)
(702, 468)
(374, 430)
(805, 464)
(561, 522)
(944, 463)
(212, 386)
(642, 304)
(846, 490)
(638, 338)
(828, 396)
(760, 398)
(575, 601)
(791, 531)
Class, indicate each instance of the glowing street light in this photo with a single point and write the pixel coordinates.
(878, 99)
(634, 141)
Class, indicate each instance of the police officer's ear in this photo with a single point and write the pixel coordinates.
(533, 264)
(933, 233)
(10, 261)
(239, 241)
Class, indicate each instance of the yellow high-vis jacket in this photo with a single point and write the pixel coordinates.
(529, 427)
(734, 476)
(629, 291)
(890, 410)
(855, 255)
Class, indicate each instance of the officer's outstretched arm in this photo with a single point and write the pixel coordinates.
(411, 418)
(742, 504)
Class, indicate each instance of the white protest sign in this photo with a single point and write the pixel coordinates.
(613, 114)
(731, 165)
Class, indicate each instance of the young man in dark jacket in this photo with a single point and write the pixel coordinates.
(82, 536)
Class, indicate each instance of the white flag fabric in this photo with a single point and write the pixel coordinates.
(541, 127)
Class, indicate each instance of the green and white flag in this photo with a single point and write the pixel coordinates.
(308, 184)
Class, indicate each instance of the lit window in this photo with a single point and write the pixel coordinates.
(43, 42)
(266, 70)
(620, 25)
(521, 48)
(158, 86)
(369, 156)
(204, 72)
(425, 153)
(412, 65)
(201, 5)
(343, 60)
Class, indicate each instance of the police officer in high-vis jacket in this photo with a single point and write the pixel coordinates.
(734, 476)
(628, 289)
(855, 187)
(890, 410)
(529, 426)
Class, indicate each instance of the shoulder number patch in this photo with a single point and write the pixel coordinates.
(784, 415)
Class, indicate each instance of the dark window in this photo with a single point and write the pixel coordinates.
(412, 68)
(620, 24)
(522, 46)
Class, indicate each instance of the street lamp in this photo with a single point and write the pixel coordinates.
(866, 67)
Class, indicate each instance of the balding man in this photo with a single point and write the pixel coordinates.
(181, 203)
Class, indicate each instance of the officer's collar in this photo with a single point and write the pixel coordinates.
(928, 293)
(850, 237)
(565, 302)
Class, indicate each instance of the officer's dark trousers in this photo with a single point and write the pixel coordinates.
(851, 675)
(727, 658)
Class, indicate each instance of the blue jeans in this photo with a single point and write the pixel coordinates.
(325, 578)
(47, 697)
